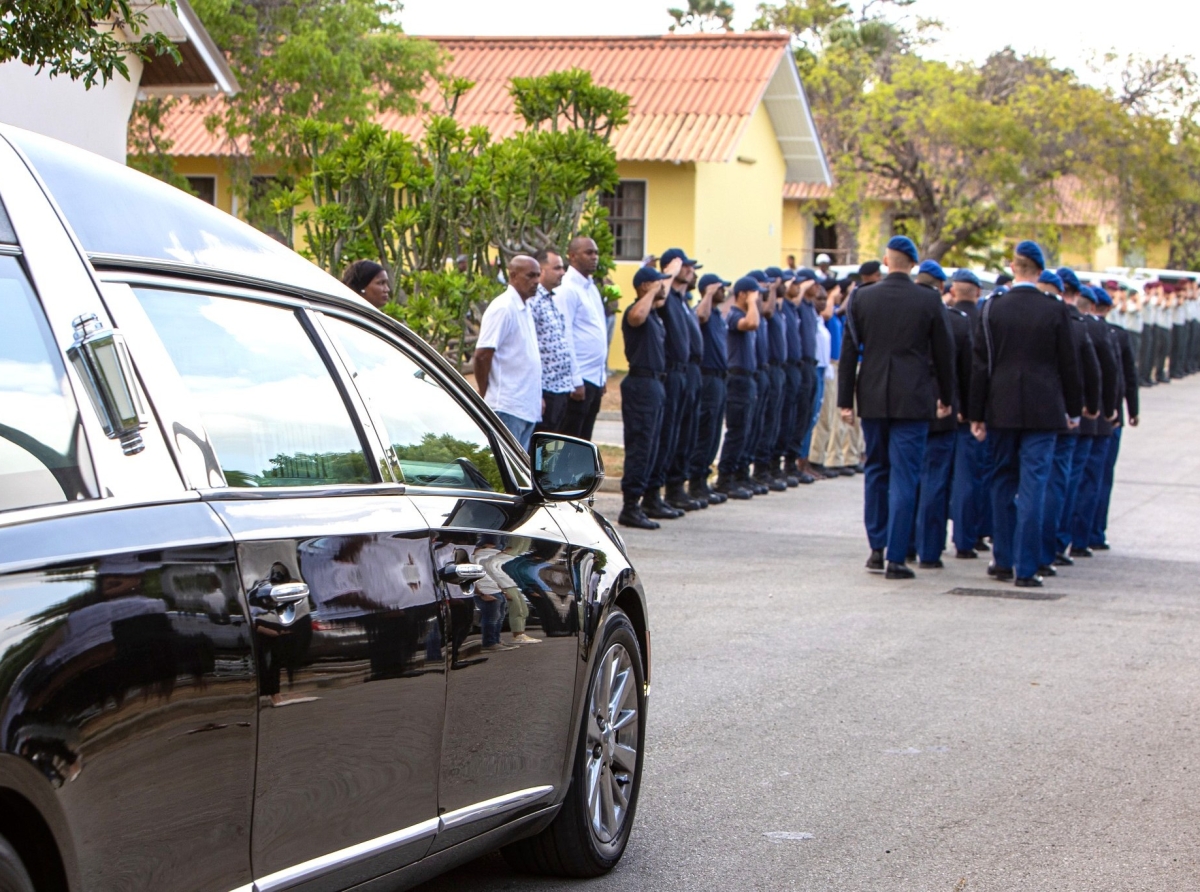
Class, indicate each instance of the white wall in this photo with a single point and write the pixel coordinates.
(95, 119)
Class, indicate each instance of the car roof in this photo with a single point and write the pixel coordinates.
(124, 218)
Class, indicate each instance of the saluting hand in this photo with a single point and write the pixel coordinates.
(674, 267)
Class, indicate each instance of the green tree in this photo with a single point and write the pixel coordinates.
(82, 39)
(703, 15)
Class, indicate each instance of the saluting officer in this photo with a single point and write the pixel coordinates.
(689, 413)
(1092, 478)
(713, 370)
(772, 409)
(674, 314)
(741, 399)
(938, 461)
(906, 380)
(1024, 391)
(1069, 458)
(642, 390)
(794, 391)
(762, 382)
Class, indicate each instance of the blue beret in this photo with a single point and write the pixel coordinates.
(647, 274)
(672, 253)
(746, 283)
(709, 279)
(1102, 296)
(1069, 279)
(1049, 278)
(965, 275)
(932, 268)
(1031, 251)
(774, 272)
(1088, 293)
(904, 245)
(758, 276)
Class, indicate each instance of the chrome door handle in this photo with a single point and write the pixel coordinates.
(282, 595)
(461, 574)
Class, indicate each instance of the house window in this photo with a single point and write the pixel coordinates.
(204, 188)
(627, 218)
(824, 237)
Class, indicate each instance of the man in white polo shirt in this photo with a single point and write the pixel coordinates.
(582, 306)
(508, 368)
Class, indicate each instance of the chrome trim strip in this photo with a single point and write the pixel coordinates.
(10, 250)
(334, 861)
(18, 516)
(491, 807)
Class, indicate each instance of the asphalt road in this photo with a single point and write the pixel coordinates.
(815, 727)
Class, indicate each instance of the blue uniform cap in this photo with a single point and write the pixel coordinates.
(647, 274)
(788, 275)
(671, 253)
(904, 245)
(709, 279)
(774, 272)
(746, 283)
(965, 275)
(1049, 278)
(805, 275)
(758, 276)
(1031, 251)
(1069, 279)
(932, 268)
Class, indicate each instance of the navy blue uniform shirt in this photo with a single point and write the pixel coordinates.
(809, 320)
(762, 349)
(715, 337)
(674, 315)
(791, 320)
(696, 339)
(777, 335)
(645, 344)
(741, 345)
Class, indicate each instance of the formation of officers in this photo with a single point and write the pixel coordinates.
(1008, 411)
(735, 381)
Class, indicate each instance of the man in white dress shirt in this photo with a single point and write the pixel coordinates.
(508, 367)
(582, 306)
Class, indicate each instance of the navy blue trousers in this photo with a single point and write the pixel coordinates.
(934, 498)
(1022, 467)
(1088, 496)
(668, 437)
(689, 425)
(1099, 534)
(772, 411)
(893, 471)
(804, 402)
(967, 502)
(741, 400)
(1066, 520)
(641, 415)
(793, 383)
(710, 422)
(762, 384)
(1056, 494)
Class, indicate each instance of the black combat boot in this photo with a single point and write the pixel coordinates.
(728, 486)
(656, 508)
(699, 490)
(765, 474)
(632, 515)
(677, 498)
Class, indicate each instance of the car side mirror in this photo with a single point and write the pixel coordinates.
(101, 358)
(565, 468)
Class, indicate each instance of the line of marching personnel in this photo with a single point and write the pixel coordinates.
(1163, 321)
(737, 381)
(1007, 414)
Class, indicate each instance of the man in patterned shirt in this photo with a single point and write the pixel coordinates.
(560, 372)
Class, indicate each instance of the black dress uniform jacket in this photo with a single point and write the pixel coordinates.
(907, 352)
(1110, 373)
(960, 332)
(1025, 376)
(1128, 365)
(1089, 368)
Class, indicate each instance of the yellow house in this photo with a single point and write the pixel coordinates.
(719, 123)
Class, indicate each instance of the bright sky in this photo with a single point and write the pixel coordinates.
(1068, 30)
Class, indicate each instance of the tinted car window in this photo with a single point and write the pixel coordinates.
(437, 443)
(43, 455)
(270, 407)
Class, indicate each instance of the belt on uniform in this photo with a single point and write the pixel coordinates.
(745, 372)
(676, 366)
(713, 373)
(646, 373)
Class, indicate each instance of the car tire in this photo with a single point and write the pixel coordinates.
(590, 831)
(13, 876)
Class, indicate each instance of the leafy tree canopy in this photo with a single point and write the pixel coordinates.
(86, 40)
